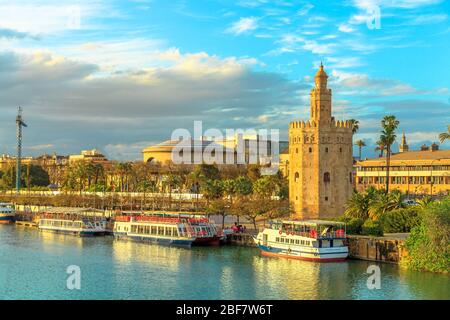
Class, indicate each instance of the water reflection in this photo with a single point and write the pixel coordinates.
(113, 269)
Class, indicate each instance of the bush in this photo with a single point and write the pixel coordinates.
(372, 228)
(429, 243)
(354, 225)
(401, 220)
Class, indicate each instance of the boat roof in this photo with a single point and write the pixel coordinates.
(312, 222)
(69, 210)
(5, 204)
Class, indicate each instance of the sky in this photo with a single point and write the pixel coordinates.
(121, 75)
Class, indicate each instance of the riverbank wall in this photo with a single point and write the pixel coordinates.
(390, 248)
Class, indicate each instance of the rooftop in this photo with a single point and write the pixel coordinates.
(411, 156)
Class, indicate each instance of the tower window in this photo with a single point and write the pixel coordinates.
(350, 176)
(296, 150)
(326, 198)
(326, 177)
(310, 150)
(326, 150)
(340, 149)
(296, 177)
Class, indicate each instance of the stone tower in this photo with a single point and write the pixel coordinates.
(320, 158)
(403, 146)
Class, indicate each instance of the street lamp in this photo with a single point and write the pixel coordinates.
(407, 167)
(431, 176)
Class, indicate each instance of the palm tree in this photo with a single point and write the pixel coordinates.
(385, 202)
(360, 144)
(424, 202)
(355, 125)
(380, 147)
(357, 206)
(389, 124)
(445, 135)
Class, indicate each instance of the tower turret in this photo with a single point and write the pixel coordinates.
(321, 98)
(404, 145)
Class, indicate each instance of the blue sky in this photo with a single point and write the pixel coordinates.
(119, 75)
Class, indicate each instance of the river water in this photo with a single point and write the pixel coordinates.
(33, 265)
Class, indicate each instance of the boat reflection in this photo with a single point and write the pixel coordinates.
(295, 279)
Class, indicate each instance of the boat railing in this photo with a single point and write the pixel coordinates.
(340, 233)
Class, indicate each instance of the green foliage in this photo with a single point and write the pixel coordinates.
(354, 225)
(401, 220)
(384, 202)
(429, 243)
(358, 206)
(372, 228)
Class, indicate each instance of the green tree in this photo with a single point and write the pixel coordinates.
(355, 125)
(358, 206)
(429, 243)
(380, 147)
(383, 203)
(445, 135)
(389, 124)
(360, 144)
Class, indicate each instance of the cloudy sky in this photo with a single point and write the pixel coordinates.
(120, 75)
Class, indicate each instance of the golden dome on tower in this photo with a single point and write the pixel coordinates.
(321, 72)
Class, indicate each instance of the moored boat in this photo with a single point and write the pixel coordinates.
(312, 240)
(154, 228)
(167, 228)
(7, 213)
(79, 226)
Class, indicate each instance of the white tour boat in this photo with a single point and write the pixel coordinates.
(168, 229)
(313, 240)
(80, 226)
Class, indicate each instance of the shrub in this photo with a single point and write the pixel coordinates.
(354, 226)
(372, 228)
(429, 243)
(401, 220)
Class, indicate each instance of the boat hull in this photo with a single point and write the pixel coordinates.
(207, 241)
(154, 240)
(332, 256)
(83, 233)
(6, 219)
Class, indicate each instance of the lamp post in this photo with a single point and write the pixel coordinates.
(431, 176)
(407, 167)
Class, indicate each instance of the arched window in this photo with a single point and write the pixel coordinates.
(326, 150)
(296, 177)
(326, 177)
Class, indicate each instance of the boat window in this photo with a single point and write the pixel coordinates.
(154, 230)
(277, 239)
(292, 240)
(175, 232)
(169, 231)
(161, 231)
(297, 241)
(282, 240)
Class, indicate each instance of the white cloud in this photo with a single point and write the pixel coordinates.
(346, 28)
(244, 25)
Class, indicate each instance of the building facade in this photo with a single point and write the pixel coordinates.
(320, 158)
(424, 172)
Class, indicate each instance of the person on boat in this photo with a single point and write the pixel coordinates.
(235, 228)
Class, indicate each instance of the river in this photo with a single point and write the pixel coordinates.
(33, 265)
